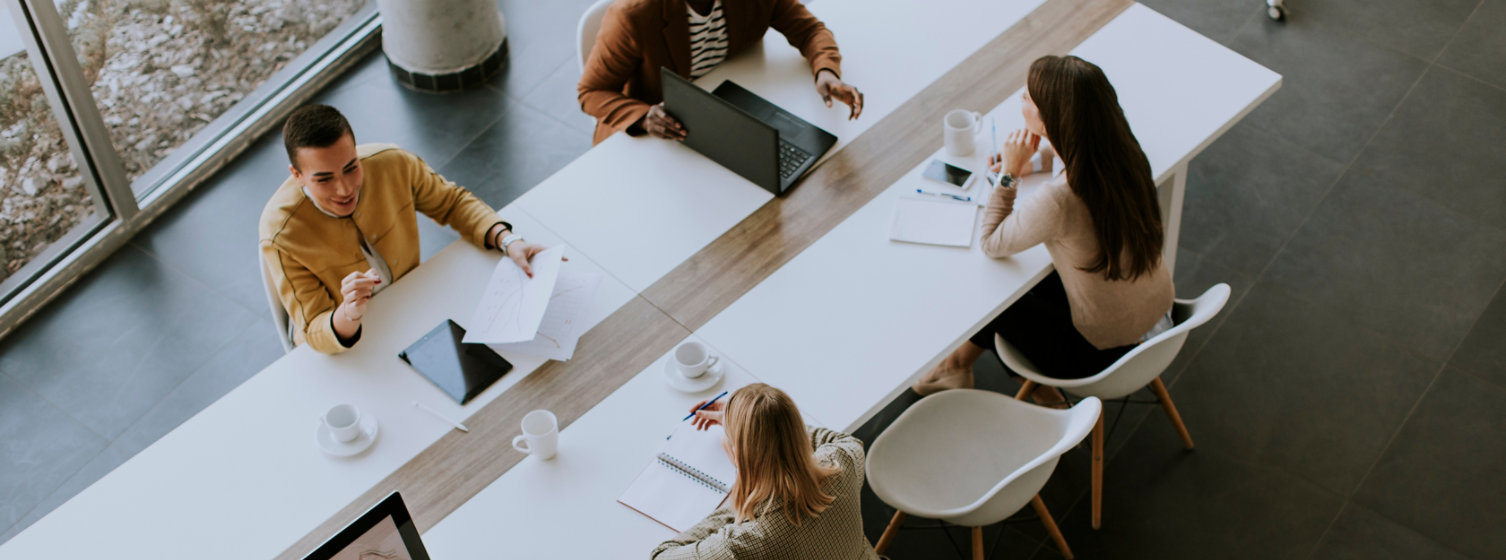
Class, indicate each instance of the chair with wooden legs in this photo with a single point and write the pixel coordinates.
(1134, 371)
(973, 458)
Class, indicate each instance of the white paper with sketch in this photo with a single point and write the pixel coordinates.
(689, 478)
(561, 328)
(933, 221)
(512, 306)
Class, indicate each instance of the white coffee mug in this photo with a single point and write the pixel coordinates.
(693, 359)
(959, 127)
(541, 435)
(344, 422)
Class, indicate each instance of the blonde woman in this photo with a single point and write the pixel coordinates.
(797, 488)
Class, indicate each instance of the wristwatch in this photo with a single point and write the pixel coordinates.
(509, 240)
(1008, 180)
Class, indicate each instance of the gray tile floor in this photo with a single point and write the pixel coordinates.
(1345, 404)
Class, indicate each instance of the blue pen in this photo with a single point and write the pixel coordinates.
(702, 407)
(945, 195)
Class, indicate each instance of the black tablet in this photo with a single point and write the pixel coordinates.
(461, 370)
(386, 532)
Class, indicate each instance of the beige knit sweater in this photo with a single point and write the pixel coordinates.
(1108, 314)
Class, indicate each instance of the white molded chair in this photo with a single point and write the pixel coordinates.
(279, 315)
(973, 458)
(585, 33)
(1142, 366)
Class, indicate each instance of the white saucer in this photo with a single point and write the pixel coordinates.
(337, 448)
(706, 381)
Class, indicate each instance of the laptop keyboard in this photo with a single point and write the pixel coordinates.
(790, 159)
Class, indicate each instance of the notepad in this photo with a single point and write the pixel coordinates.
(688, 478)
(933, 221)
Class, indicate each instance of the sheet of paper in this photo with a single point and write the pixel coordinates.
(933, 221)
(677, 499)
(561, 327)
(513, 305)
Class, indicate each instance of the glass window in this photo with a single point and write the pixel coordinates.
(45, 207)
(162, 70)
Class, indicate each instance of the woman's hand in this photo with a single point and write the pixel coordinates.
(657, 122)
(830, 87)
(1019, 146)
(706, 417)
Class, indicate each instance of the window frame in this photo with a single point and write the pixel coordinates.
(124, 212)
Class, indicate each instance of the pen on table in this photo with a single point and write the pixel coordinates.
(708, 403)
(945, 195)
(436, 414)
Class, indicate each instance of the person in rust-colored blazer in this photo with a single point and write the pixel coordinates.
(620, 85)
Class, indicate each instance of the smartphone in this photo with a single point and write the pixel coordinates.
(948, 173)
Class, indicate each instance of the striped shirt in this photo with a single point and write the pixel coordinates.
(708, 39)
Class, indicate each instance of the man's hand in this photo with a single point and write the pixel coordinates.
(355, 291)
(830, 86)
(521, 252)
(658, 123)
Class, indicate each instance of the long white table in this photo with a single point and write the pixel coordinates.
(244, 478)
(852, 320)
(618, 205)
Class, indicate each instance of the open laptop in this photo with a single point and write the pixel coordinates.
(744, 132)
(385, 532)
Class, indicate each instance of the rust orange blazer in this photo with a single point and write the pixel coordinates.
(621, 79)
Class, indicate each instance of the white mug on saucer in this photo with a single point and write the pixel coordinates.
(541, 434)
(693, 359)
(344, 422)
(959, 127)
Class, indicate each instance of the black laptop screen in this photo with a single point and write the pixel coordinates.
(384, 533)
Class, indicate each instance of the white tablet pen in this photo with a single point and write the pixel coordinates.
(945, 195)
(441, 417)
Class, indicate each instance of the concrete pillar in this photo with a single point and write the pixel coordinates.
(443, 45)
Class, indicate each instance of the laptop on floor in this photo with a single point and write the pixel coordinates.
(744, 132)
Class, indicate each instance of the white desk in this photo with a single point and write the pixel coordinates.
(245, 479)
(641, 206)
(851, 322)
(538, 508)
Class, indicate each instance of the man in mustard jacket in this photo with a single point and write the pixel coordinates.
(620, 85)
(343, 226)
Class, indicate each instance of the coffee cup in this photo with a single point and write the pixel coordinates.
(343, 421)
(693, 359)
(959, 128)
(541, 435)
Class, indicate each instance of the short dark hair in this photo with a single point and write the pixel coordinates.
(313, 126)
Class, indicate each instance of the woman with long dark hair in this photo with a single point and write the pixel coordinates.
(1099, 220)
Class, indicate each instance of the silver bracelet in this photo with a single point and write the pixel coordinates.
(509, 240)
(346, 313)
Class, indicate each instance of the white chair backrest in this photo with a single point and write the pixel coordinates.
(585, 33)
(279, 314)
(1011, 448)
(1141, 365)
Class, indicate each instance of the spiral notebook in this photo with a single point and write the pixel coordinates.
(688, 478)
